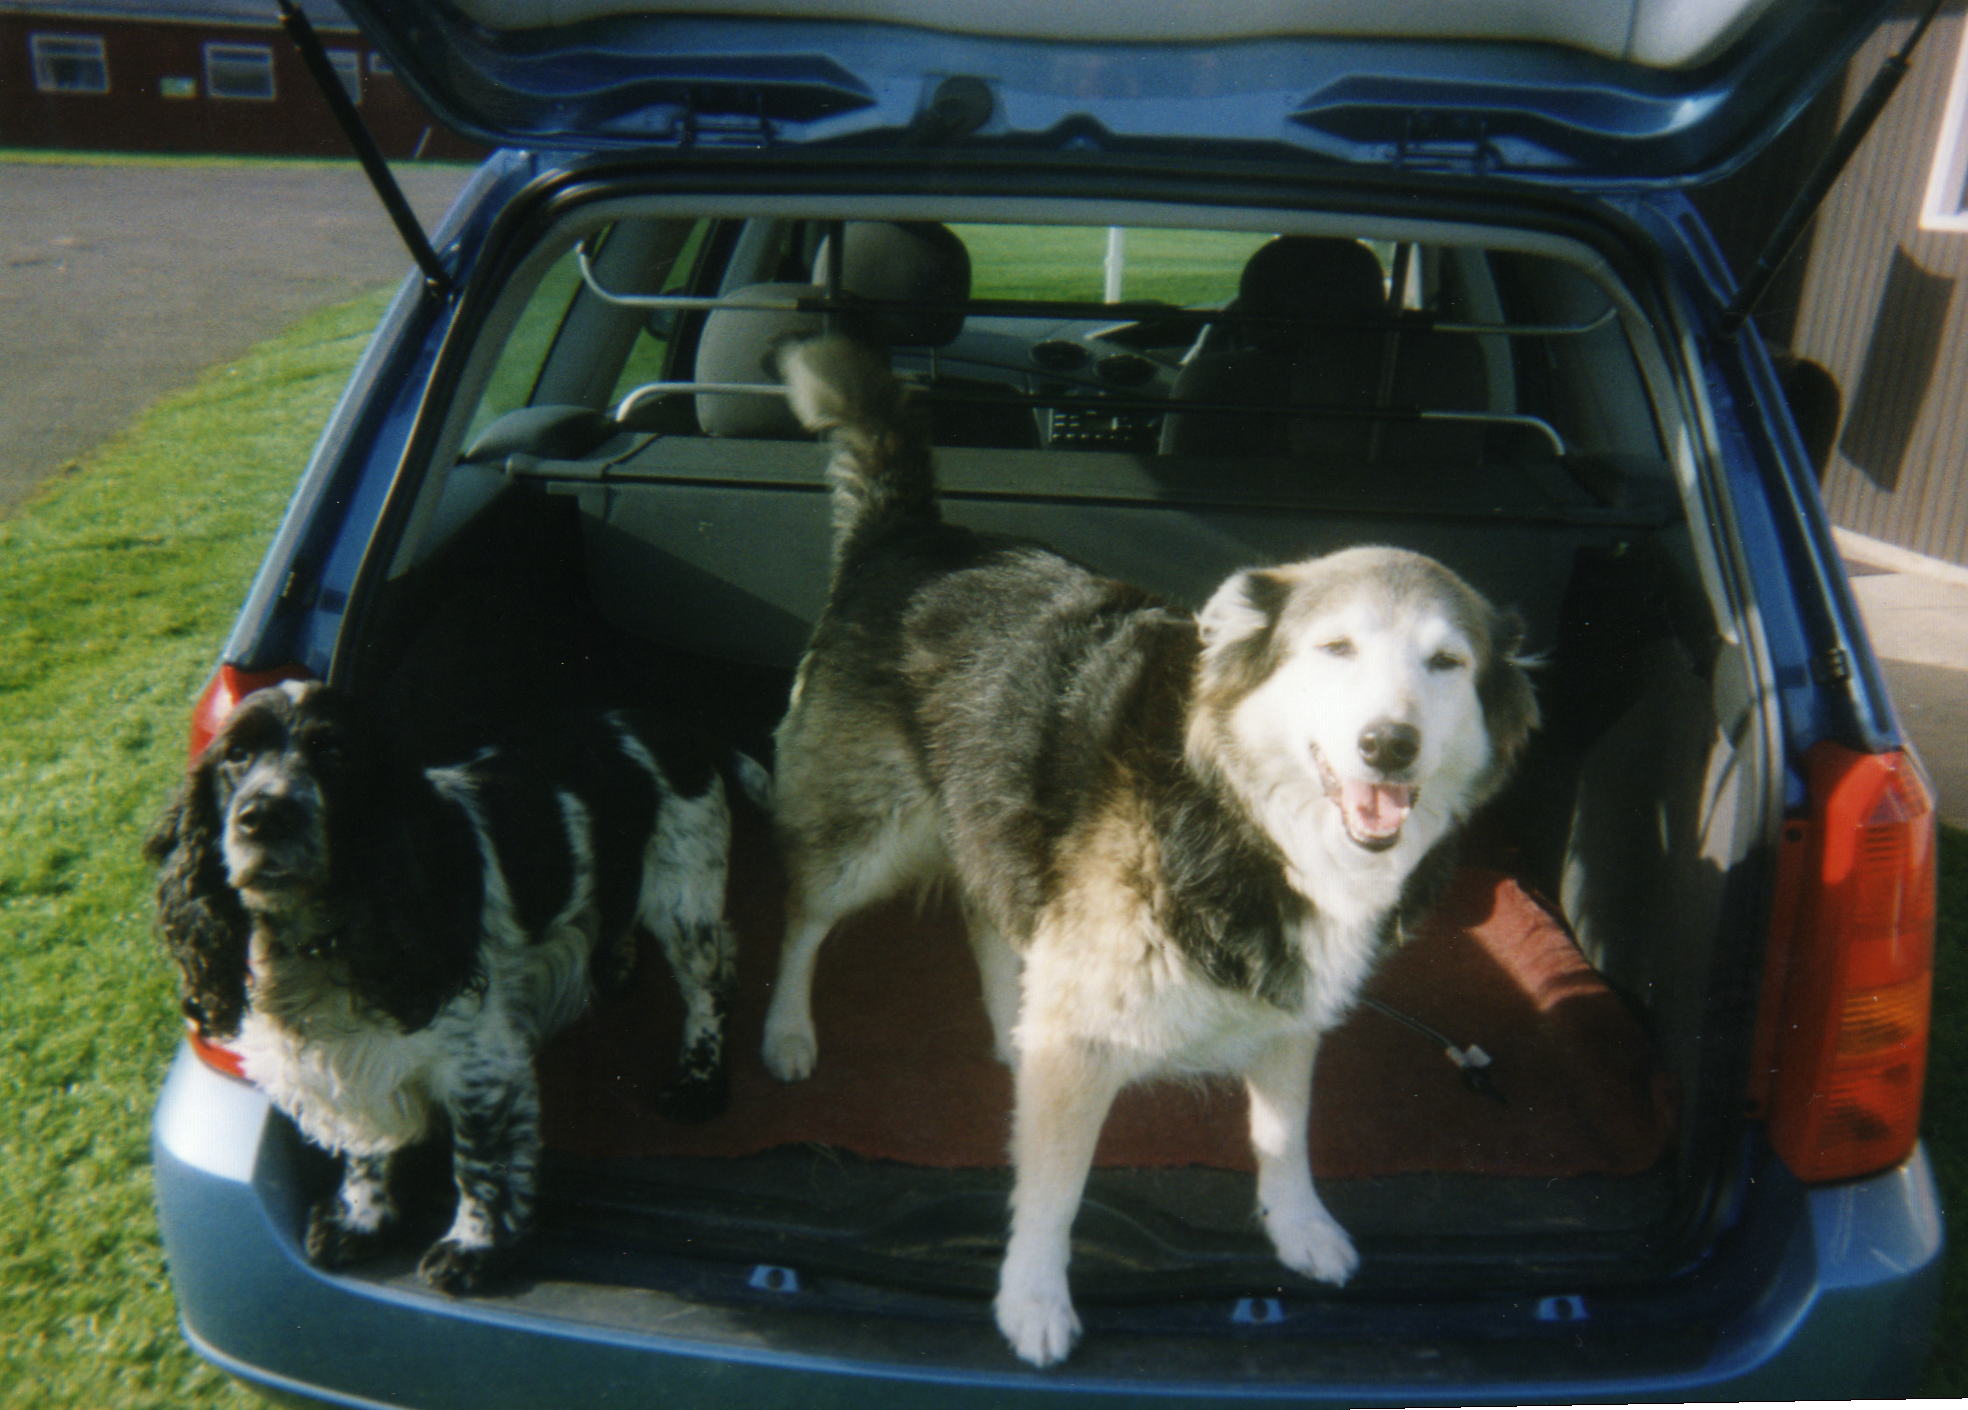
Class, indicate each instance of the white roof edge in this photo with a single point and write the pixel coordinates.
(1668, 34)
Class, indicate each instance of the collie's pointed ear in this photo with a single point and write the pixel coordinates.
(1246, 606)
(1507, 634)
(199, 915)
(1509, 702)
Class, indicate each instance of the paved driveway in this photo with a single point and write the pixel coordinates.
(118, 283)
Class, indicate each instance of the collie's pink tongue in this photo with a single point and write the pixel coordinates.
(1375, 810)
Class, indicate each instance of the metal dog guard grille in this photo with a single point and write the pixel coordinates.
(831, 302)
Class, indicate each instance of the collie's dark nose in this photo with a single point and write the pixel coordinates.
(269, 817)
(1389, 745)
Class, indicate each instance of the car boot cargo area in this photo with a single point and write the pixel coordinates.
(1530, 1082)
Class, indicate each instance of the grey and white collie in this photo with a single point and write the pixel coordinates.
(386, 947)
(1180, 840)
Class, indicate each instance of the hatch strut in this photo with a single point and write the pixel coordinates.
(1784, 238)
(301, 31)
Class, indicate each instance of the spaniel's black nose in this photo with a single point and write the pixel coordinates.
(269, 817)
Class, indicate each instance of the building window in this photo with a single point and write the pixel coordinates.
(69, 63)
(348, 68)
(239, 71)
(1946, 206)
(379, 65)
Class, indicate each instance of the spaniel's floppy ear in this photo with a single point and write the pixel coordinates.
(416, 889)
(198, 912)
(406, 880)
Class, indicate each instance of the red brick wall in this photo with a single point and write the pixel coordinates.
(148, 59)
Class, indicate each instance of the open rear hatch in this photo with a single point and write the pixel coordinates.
(1574, 92)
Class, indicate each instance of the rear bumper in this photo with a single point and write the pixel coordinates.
(1827, 1294)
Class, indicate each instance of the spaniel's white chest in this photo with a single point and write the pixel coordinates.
(353, 1086)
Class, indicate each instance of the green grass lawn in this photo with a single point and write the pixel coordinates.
(1066, 262)
(116, 585)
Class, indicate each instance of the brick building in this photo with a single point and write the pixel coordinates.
(195, 76)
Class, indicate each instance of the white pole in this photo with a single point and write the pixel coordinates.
(1116, 262)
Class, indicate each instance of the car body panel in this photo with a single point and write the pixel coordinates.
(1570, 95)
(284, 623)
(1828, 675)
(1811, 1276)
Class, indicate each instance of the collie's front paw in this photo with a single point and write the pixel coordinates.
(1309, 1241)
(1039, 1322)
(791, 1051)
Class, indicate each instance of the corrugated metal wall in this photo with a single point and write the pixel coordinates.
(1882, 305)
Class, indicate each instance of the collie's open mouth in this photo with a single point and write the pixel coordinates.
(1373, 812)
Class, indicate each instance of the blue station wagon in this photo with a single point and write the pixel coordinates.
(1182, 290)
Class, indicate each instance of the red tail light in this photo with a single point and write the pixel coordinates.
(216, 703)
(1843, 1047)
(230, 685)
(214, 1055)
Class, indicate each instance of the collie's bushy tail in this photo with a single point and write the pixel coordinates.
(881, 471)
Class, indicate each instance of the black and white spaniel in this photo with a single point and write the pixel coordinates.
(386, 947)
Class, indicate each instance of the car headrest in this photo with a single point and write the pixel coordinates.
(917, 263)
(1310, 276)
(738, 345)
